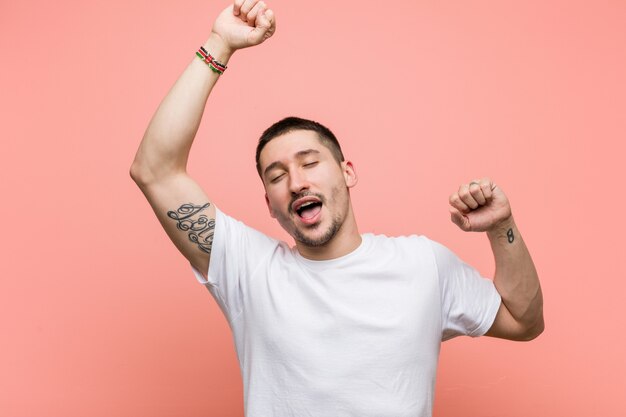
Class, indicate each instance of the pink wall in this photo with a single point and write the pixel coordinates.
(100, 316)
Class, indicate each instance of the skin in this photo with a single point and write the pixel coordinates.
(481, 206)
(187, 214)
(317, 172)
(160, 165)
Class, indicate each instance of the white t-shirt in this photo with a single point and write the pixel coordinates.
(355, 336)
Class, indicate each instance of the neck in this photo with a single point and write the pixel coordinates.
(344, 242)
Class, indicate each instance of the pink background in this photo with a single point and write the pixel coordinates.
(100, 315)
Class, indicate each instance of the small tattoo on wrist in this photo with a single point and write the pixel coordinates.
(510, 236)
(200, 228)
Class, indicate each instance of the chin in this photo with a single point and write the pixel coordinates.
(319, 240)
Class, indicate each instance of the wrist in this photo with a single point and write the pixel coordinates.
(501, 228)
(219, 49)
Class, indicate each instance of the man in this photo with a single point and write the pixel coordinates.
(342, 324)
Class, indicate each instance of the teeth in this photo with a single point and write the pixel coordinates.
(307, 204)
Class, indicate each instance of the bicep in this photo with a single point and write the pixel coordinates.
(186, 215)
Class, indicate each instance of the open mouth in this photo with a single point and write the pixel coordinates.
(307, 208)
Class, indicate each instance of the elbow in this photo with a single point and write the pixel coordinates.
(539, 329)
(134, 172)
(535, 324)
(533, 332)
(138, 173)
(144, 174)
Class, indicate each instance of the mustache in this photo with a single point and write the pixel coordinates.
(304, 194)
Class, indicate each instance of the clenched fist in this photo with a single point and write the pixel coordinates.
(479, 206)
(244, 23)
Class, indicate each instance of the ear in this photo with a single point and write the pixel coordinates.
(269, 206)
(349, 174)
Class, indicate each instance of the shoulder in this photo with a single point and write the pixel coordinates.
(236, 235)
(235, 225)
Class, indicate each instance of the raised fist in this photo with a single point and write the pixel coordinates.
(245, 23)
(479, 206)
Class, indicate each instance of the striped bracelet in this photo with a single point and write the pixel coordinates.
(214, 64)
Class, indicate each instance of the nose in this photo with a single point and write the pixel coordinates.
(298, 181)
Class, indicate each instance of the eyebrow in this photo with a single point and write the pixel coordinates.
(298, 155)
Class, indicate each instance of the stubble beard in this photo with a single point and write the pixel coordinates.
(330, 233)
(334, 227)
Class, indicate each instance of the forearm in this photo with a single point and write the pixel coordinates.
(516, 278)
(167, 141)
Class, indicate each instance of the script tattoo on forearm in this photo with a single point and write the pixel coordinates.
(199, 227)
(510, 236)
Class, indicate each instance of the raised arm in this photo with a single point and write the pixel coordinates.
(160, 165)
(481, 206)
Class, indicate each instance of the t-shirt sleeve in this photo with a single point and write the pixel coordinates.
(237, 250)
(469, 302)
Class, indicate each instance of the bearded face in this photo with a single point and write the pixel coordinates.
(307, 190)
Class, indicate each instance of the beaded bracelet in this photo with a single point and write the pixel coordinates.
(214, 64)
(208, 59)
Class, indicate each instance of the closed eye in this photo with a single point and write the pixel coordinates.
(310, 164)
(277, 178)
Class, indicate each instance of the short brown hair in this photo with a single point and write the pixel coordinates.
(288, 124)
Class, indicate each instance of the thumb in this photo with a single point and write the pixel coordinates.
(459, 219)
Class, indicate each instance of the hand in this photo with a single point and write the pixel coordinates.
(479, 206)
(245, 23)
